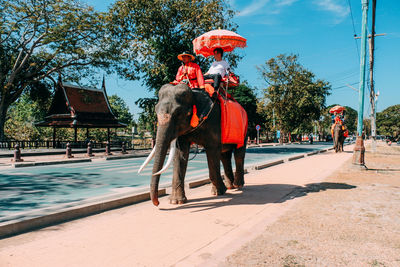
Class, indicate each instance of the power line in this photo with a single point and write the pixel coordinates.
(343, 86)
(346, 77)
(354, 30)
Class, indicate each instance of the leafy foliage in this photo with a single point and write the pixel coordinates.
(22, 116)
(294, 93)
(39, 39)
(153, 33)
(388, 121)
(245, 95)
(147, 118)
(120, 110)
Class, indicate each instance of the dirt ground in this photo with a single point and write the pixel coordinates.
(351, 219)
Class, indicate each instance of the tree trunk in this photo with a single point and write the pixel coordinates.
(3, 116)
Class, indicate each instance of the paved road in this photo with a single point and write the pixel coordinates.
(200, 233)
(41, 187)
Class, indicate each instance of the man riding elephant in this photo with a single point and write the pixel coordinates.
(218, 69)
(339, 133)
(189, 73)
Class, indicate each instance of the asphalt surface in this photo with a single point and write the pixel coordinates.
(40, 188)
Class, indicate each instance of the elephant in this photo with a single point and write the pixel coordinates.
(338, 137)
(174, 112)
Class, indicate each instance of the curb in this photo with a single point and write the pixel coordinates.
(42, 163)
(297, 157)
(267, 165)
(15, 227)
(199, 183)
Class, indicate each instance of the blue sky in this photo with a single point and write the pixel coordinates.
(320, 32)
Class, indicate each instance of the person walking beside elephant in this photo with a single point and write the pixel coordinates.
(189, 73)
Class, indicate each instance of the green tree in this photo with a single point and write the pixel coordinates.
(147, 118)
(153, 33)
(367, 127)
(351, 117)
(39, 39)
(296, 96)
(21, 118)
(121, 110)
(388, 121)
(266, 113)
(246, 96)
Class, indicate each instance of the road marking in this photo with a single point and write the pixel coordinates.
(149, 169)
(121, 168)
(190, 173)
(104, 166)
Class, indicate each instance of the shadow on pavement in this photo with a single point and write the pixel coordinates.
(22, 192)
(382, 169)
(258, 195)
(302, 191)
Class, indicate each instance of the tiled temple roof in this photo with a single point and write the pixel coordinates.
(80, 107)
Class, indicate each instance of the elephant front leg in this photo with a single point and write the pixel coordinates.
(180, 165)
(213, 160)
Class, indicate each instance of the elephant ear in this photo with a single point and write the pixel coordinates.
(203, 103)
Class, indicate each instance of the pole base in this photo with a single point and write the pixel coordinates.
(373, 145)
(359, 152)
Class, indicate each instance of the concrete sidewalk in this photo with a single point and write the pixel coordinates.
(200, 233)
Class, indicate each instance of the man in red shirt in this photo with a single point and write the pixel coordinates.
(189, 72)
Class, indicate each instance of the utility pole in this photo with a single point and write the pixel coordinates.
(371, 75)
(359, 149)
(373, 96)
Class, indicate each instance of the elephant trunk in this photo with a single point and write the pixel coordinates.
(161, 149)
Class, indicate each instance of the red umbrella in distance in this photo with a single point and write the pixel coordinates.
(227, 40)
(337, 109)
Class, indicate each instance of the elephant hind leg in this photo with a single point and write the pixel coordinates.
(239, 154)
(213, 160)
(226, 158)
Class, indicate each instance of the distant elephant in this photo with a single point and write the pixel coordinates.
(174, 112)
(338, 137)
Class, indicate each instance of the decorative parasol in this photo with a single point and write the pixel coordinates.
(337, 109)
(227, 40)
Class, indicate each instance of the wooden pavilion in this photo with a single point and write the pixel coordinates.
(80, 107)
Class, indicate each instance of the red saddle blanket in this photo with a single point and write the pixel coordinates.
(233, 122)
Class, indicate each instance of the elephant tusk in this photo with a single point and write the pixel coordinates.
(170, 158)
(148, 159)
